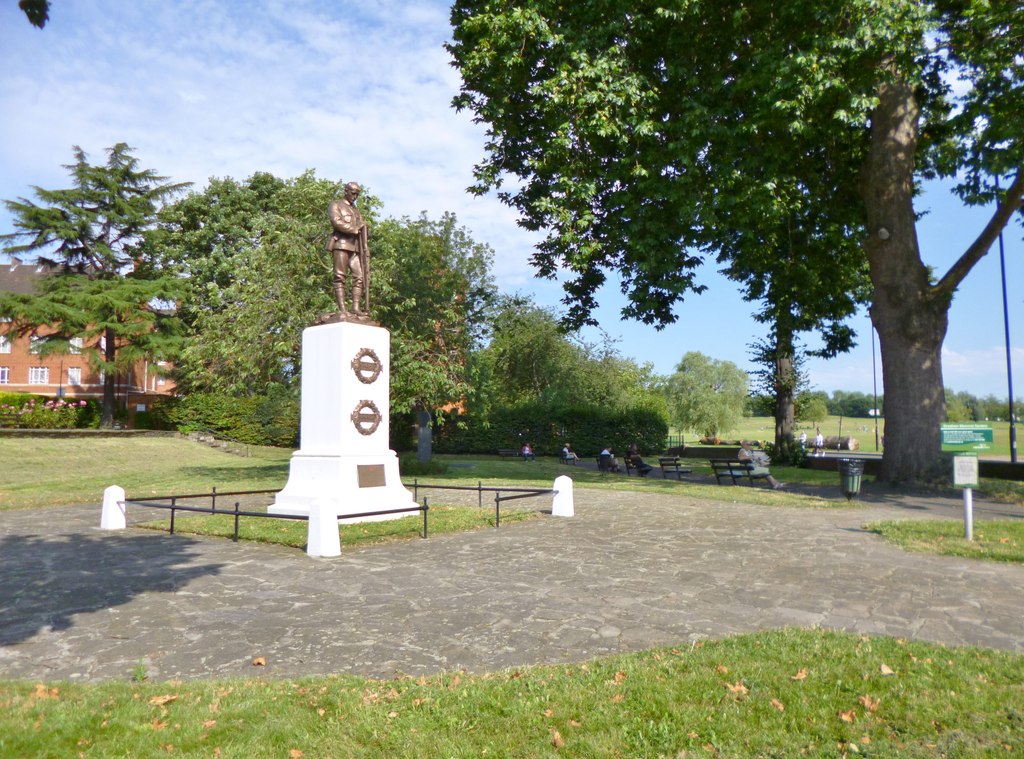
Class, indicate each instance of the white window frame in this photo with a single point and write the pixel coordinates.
(75, 346)
(5, 375)
(35, 344)
(5, 344)
(75, 375)
(39, 375)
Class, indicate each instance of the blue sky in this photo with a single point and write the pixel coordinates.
(204, 88)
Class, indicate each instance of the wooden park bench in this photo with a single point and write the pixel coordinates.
(735, 470)
(506, 453)
(631, 468)
(670, 465)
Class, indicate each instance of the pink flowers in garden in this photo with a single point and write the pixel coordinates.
(38, 414)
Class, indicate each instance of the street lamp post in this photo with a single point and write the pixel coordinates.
(1006, 327)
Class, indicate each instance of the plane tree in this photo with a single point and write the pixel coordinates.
(640, 136)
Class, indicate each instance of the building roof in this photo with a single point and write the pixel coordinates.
(20, 277)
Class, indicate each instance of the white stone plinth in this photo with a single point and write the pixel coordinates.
(113, 515)
(344, 456)
(562, 505)
(322, 538)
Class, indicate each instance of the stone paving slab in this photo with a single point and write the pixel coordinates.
(628, 572)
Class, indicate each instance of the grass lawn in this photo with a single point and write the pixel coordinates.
(777, 694)
(41, 471)
(1001, 540)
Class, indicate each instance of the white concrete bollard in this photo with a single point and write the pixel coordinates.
(562, 505)
(113, 515)
(322, 539)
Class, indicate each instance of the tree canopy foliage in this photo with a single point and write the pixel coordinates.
(647, 138)
(104, 286)
(706, 395)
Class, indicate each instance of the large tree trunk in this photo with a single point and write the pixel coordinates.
(908, 312)
(785, 382)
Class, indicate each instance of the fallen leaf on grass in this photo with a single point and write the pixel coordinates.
(1004, 540)
(738, 687)
(849, 716)
(871, 704)
(161, 700)
(722, 670)
(207, 724)
(556, 739)
(801, 675)
(548, 713)
(41, 691)
(158, 725)
(778, 704)
(259, 661)
(617, 698)
(886, 670)
(294, 753)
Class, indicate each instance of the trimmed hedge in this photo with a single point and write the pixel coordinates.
(587, 428)
(271, 419)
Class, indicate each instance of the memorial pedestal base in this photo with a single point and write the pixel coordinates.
(356, 484)
(344, 457)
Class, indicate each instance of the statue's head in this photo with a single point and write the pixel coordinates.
(352, 190)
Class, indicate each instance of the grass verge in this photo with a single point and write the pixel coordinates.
(290, 532)
(995, 540)
(783, 693)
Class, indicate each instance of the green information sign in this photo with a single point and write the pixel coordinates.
(967, 436)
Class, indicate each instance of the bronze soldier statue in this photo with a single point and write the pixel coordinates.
(348, 246)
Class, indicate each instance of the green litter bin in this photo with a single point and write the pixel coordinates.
(851, 472)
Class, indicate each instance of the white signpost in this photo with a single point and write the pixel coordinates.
(965, 475)
(965, 440)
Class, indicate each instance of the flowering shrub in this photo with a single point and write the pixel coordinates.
(43, 415)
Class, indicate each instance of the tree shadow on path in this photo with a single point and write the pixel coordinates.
(47, 580)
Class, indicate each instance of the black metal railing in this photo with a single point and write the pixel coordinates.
(175, 506)
(173, 503)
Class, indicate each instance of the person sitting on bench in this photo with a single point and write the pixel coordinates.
(759, 462)
(607, 462)
(633, 457)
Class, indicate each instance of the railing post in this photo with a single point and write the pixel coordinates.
(425, 509)
(236, 521)
(497, 510)
(213, 501)
(480, 494)
(415, 488)
(173, 501)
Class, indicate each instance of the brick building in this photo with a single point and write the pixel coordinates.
(67, 375)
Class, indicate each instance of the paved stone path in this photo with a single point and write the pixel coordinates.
(630, 571)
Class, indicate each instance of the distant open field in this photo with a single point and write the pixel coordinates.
(863, 428)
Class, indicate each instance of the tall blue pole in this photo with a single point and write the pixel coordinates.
(1006, 327)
